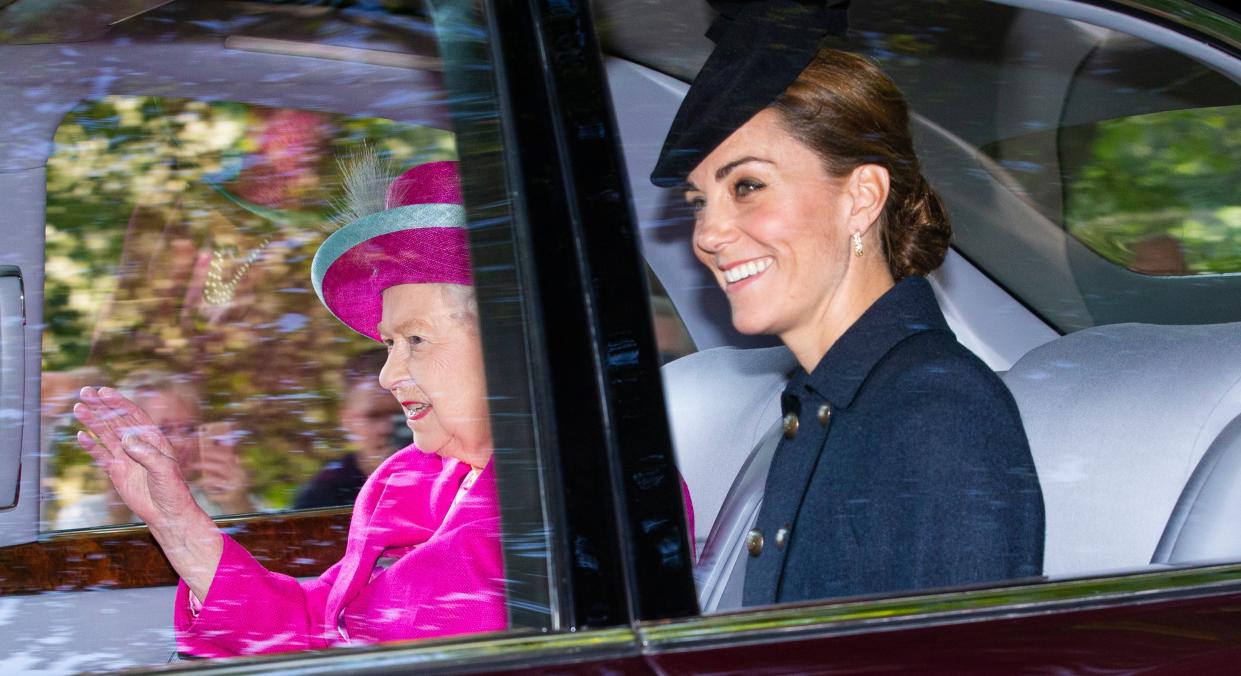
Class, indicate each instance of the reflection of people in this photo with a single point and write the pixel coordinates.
(366, 416)
(903, 463)
(207, 276)
(1158, 255)
(57, 392)
(206, 455)
(423, 554)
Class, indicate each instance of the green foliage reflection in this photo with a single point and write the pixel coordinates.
(1158, 193)
(179, 240)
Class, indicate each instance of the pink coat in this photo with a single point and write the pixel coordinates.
(448, 580)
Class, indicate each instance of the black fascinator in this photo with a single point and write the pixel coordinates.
(760, 48)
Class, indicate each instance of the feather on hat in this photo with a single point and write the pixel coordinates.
(408, 231)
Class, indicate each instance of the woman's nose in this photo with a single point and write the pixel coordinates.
(391, 373)
(713, 231)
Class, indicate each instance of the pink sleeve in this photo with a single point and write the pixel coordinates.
(689, 518)
(452, 584)
(250, 610)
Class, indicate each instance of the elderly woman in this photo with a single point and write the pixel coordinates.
(904, 464)
(423, 556)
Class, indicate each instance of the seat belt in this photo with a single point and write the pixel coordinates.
(720, 572)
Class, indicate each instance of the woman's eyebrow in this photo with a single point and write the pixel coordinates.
(724, 170)
(400, 328)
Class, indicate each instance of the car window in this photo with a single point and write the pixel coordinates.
(671, 336)
(179, 239)
(1153, 192)
(1090, 170)
(1107, 161)
(174, 171)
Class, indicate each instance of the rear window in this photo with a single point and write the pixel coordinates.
(1154, 193)
(179, 239)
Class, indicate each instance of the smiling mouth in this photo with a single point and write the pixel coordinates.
(746, 270)
(415, 410)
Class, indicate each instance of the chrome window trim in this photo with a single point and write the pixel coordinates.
(494, 652)
(12, 382)
(1183, 14)
(1191, 16)
(1035, 597)
(501, 651)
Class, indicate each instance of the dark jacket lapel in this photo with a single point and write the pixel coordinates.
(906, 309)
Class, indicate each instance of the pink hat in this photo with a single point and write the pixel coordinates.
(418, 238)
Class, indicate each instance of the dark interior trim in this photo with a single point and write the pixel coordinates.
(300, 544)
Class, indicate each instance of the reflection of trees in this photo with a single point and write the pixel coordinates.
(149, 201)
(1147, 178)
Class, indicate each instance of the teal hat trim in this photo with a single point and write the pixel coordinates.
(412, 217)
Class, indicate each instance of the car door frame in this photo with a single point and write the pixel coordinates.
(592, 353)
(640, 628)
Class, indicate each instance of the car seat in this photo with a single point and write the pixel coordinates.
(1119, 418)
(1135, 431)
(720, 403)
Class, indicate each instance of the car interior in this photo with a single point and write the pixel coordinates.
(1129, 384)
(1131, 405)
(221, 52)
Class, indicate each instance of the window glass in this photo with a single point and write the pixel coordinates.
(1155, 193)
(671, 336)
(179, 240)
(1069, 168)
(189, 161)
(1090, 176)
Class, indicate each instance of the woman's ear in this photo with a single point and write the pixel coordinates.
(868, 186)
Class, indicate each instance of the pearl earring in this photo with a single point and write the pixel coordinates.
(857, 244)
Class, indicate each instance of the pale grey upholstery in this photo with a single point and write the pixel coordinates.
(1206, 523)
(1118, 417)
(720, 571)
(720, 402)
(99, 630)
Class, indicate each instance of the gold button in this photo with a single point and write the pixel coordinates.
(754, 542)
(790, 425)
(782, 537)
(825, 414)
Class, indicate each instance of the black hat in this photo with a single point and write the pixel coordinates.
(760, 49)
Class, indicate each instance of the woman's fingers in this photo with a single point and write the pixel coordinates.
(87, 414)
(115, 416)
(110, 425)
(127, 416)
(100, 454)
(160, 465)
(124, 408)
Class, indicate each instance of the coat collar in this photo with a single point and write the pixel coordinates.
(404, 503)
(906, 309)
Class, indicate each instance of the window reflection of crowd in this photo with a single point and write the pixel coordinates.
(374, 427)
(206, 454)
(209, 285)
(371, 420)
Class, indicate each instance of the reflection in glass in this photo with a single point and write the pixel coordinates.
(1155, 193)
(179, 239)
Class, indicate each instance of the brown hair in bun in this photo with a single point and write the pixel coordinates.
(846, 110)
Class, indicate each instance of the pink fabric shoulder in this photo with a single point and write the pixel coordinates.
(416, 566)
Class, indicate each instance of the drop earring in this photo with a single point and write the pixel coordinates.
(857, 244)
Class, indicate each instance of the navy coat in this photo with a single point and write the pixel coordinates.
(909, 468)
